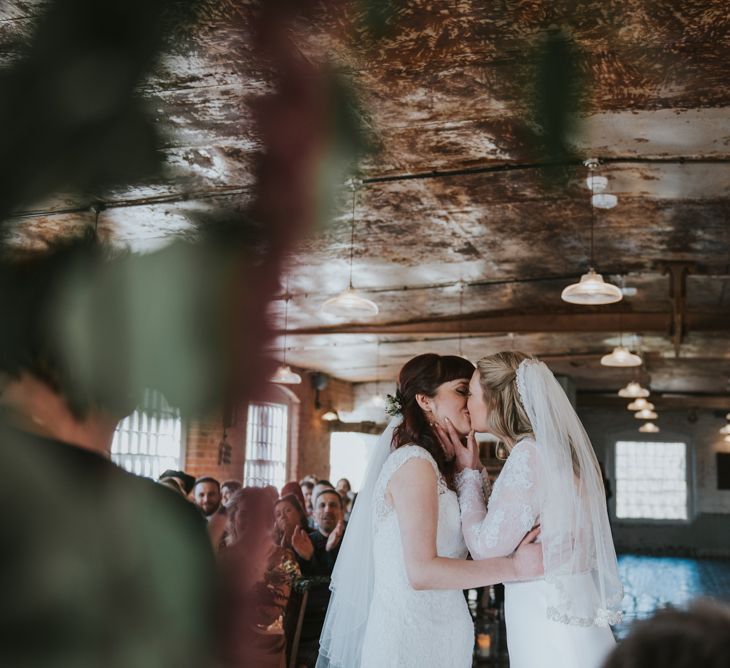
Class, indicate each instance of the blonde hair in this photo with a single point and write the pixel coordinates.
(507, 418)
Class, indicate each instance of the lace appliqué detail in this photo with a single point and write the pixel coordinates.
(518, 473)
(603, 618)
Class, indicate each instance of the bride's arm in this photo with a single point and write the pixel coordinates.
(513, 506)
(414, 494)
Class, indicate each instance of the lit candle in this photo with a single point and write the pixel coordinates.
(484, 645)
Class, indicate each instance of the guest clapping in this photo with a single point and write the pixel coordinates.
(318, 550)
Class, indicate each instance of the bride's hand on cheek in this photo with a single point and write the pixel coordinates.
(445, 440)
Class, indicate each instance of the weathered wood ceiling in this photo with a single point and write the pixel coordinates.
(454, 192)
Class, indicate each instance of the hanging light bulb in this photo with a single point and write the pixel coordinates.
(633, 390)
(649, 428)
(283, 374)
(621, 356)
(646, 414)
(727, 439)
(349, 304)
(330, 415)
(640, 404)
(727, 417)
(604, 201)
(592, 289)
(725, 429)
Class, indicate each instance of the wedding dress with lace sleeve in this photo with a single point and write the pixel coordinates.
(534, 636)
(407, 628)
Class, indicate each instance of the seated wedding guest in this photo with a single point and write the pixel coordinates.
(173, 484)
(318, 550)
(250, 515)
(296, 490)
(228, 488)
(316, 491)
(90, 557)
(307, 487)
(186, 481)
(288, 515)
(345, 490)
(698, 636)
(207, 495)
(317, 553)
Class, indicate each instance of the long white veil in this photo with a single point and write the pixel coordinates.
(579, 557)
(340, 644)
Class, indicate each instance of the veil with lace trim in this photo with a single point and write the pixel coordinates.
(578, 552)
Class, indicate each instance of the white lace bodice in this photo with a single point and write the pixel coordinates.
(410, 628)
(514, 504)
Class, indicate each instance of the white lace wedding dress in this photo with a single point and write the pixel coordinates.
(534, 639)
(408, 628)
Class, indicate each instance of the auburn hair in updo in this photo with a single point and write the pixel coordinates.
(423, 375)
(507, 418)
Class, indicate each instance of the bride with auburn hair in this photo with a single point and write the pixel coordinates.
(397, 598)
(551, 477)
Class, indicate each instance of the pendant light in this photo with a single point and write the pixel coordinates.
(633, 390)
(646, 414)
(649, 428)
(330, 415)
(621, 356)
(640, 404)
(592, 290)
(349, 304)
(284, 375)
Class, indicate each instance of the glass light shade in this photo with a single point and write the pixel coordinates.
(646, 414)
(597, 184)
(592, 289)
(725, 429)
(622, 357)
(604, 201)
(640, 404)
(285, 376)
(330, 416)
(349, 304)
(649, 428)
(633, 390)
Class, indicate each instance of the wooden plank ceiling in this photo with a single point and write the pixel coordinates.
(459, 237)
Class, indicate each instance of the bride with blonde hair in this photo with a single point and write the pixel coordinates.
(552, 478)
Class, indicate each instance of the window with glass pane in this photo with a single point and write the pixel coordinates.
(651, 480)
(266, 445)
(149, 440)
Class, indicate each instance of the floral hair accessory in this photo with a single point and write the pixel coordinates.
(394, 404)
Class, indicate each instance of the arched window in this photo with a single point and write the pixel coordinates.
(268, 438)
(149, 440)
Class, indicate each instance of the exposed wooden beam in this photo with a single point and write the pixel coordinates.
(532, 323)
(668, 401)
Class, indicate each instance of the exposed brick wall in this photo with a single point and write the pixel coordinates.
(202, 448)
(312, 451)
(309, 434)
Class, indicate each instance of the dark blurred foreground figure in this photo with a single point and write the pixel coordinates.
(257, 606)
(695, 638)
(99, 567)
